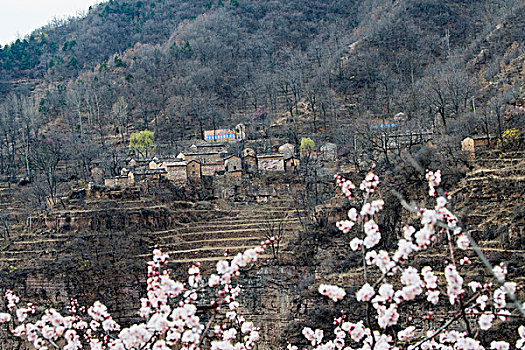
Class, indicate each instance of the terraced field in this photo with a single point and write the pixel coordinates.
(187, 232)
(243, 228)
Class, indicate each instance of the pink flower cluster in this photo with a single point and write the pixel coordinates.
(434, 179)
(333, 292)
(170, 312)
(386, 300)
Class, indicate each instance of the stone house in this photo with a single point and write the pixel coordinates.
(154, 164)
(202, 157)
(270, 162)
(137, 162)
(329, 151)
(148, 174)
(176, 170)
(232, 163)
(193, 169)
(124, 179)
(472, 144)
(250, 163)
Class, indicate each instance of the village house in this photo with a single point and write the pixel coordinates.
(270, 162)
(176, 170)
(193, 169)
(250, 163)
(329, 151)
(154, 164)
(137, 162)
(473, 144)
(121, 180)
(58, 198)
(148, 174)
(124, 179)
(232, 163)
(310, 154)
(202, 157)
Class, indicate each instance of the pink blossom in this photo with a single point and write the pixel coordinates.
(482, 301)
(434, 179)
(370, 182)
(499, 345)
(386, 291)
(356, 243)
(454, 283)
(382, 261)
(433, 296)
(387, 317)
(222, 267)
(161, 345)
(352, 214)
(405, 248)
(110, 325)
(424, 237)
(345, 225)
(408, 231)
(510, 287)
(463, 242)
(4, 317)
(429, 277)
(357, 332)
(499, 298)
(465, 261)
(504, 315)
(12, 299)
(409, 292)
(98, 311)
(214, 280)
(333, 292)
(365, 293)
(406, 333)
(500, 272)
(474, 286)
(520, 343)
(485, 321)
(410, 277)
(373, 236)
(370, 257)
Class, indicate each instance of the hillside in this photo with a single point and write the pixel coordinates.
(288, 70)
(299, 91)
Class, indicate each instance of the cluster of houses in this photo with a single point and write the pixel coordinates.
(212, 159)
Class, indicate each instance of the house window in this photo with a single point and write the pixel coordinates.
(193, 166)
(193, 173)
(234, 167)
